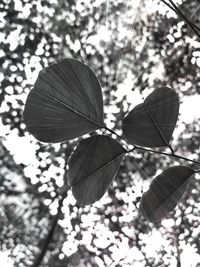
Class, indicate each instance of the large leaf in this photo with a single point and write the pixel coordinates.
(93, 167)
(165, 192)
(151, 124)
(65, 103)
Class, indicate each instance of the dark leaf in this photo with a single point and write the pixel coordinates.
(65, 103)
(93, 167)
(165, 192)
(151, 124)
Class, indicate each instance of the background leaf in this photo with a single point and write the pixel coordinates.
(165, 192)
(152, 123)
(65, 103)
(93, 167)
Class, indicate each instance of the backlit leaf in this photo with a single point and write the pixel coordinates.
(151, 124)
(66, 102)
(93, 167)
(165, 192)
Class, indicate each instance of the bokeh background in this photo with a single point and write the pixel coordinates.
(133, 47)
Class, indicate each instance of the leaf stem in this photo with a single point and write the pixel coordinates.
(113, 132)
(172, 154)
(165, 153)
(171, 149)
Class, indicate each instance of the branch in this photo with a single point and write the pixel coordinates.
(153, 151)
(173, 7)
(54, 224)
(49, 237)
(166, 154)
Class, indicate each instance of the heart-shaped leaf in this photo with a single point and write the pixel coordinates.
(93, 166)
(165, 192)
(151, 124)
(65, 103)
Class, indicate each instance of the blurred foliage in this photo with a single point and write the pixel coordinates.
(132, 49)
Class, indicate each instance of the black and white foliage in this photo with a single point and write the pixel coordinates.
(66, 102)
(152, 123)
(41, 225)
(165, 192)
(93, 166)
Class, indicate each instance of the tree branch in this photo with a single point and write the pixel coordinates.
(166, 154)
(62, 194)
(153, 151)
(173, 7)
(49, 237)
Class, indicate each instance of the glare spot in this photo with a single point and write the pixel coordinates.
(167, 223)
(189, 257)
(70, 246)
(189, 109)
(5, 260)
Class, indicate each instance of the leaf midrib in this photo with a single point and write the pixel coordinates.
(70, 108)
(98, 170)
(169, 195)
(159, 130)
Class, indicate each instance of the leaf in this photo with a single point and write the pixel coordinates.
(165, 192)
(65, 103)
(93, 167)
(151, 124)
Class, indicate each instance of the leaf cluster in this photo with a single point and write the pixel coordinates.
(66, 103)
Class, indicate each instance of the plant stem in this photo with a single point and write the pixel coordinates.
(113, 132)
(166, 154)
(172, 154)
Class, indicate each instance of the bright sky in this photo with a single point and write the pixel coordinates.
(5, 260)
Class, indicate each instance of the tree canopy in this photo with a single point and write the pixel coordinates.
(133, 47)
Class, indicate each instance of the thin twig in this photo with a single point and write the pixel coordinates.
(181, 15)
(153, 151)
(49, 237)
(166, 154)
(113, 132)
(62, 195)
